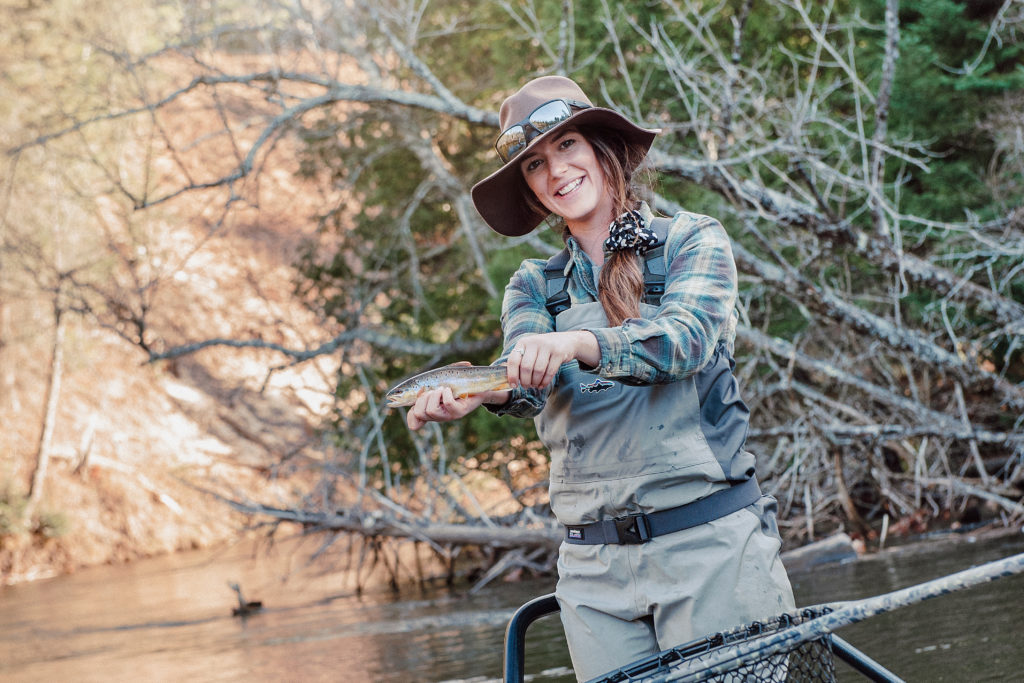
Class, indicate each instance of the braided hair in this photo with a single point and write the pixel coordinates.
(620, 286)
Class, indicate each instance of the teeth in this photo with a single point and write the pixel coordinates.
(570, 187)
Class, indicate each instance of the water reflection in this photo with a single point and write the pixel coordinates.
(170, 620)
(970, 635)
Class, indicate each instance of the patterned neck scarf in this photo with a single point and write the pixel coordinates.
(629, 231)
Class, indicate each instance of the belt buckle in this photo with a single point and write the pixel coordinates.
(632, 529)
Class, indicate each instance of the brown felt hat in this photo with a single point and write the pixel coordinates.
(499, 196)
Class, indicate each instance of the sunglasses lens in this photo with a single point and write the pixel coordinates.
(549, 115)
(544, 118)
(511, 142)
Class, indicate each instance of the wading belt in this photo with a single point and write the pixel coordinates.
(642, 527)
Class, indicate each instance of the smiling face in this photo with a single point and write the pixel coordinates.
(564, 173)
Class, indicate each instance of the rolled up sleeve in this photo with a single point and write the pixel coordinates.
(523, 312)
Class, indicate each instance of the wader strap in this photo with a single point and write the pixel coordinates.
(557, 283)
(654, 272)
(640, 528)
(654, 263)
(654, 275)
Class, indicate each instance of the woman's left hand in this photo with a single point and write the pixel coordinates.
(441, 405)
(536, 358)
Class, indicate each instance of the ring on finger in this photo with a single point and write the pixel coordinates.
(520, 350)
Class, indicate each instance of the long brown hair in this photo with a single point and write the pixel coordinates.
(621, 283)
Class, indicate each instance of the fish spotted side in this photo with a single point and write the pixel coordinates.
(463, 380)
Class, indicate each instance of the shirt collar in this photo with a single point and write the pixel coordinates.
(579, 258)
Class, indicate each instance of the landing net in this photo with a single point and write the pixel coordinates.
(807, 661)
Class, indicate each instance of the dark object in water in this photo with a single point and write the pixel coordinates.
(245, 608)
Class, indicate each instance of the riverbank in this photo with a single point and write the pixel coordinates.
(841, 549)
(137, 447)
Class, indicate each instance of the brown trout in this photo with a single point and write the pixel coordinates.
(463, 380)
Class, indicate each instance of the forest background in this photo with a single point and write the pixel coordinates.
(227, 228)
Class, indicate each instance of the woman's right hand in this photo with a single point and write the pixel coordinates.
(536, 358)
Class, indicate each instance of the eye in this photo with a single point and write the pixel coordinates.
(531, 164)
(567, 142)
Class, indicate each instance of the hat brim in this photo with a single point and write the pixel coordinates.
(498, 197)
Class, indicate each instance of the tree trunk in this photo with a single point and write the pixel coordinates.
(35, 491)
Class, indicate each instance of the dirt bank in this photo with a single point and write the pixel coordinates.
(135, 444)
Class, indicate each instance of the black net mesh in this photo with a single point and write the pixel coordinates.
(806, 660)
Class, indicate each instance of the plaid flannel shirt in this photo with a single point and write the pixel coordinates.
(696, 311)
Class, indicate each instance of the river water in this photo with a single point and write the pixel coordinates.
(169, 619)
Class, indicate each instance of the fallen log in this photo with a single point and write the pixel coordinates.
(836, 548)
(376, 524)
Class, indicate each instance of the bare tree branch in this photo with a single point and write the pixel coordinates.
(374, 337)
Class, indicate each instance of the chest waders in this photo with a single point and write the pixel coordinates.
(667, 535)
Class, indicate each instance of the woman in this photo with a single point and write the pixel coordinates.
(667, 535)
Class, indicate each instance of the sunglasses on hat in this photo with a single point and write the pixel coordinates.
(515, 138)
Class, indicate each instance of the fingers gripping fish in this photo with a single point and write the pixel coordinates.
(463, 379)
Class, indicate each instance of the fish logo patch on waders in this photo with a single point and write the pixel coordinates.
(596, 386)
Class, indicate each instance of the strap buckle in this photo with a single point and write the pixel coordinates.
(558, 303)
(632, 529)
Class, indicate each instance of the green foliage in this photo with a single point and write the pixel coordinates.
(51, 524)
(939, 98)
(456, 34)
(787, 320)
(12, 513)
(45, 523)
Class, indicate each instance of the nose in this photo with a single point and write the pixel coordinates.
(557, 165)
